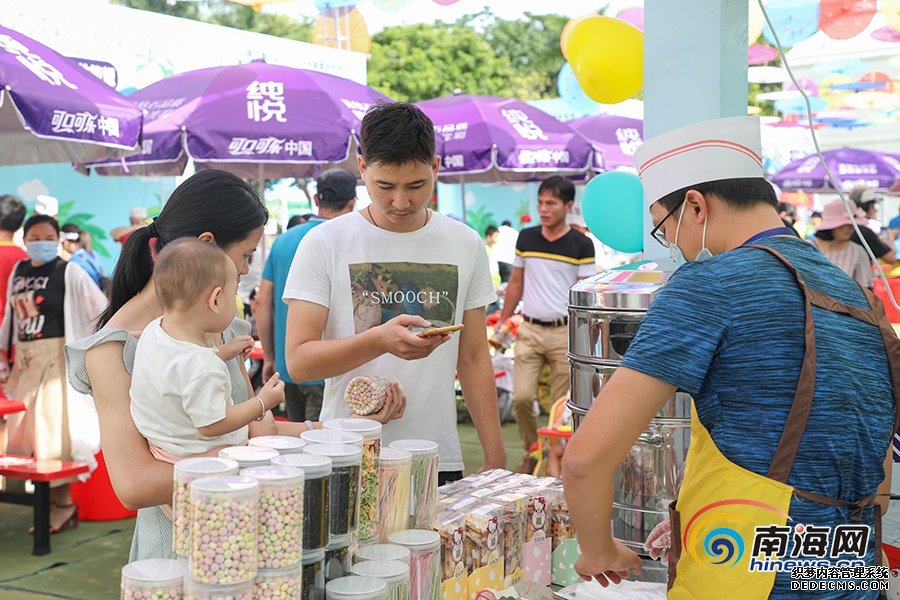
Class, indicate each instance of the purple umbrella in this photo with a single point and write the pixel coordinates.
(256, 120)
(851, 167)
(51, 110)
(492, 139)
(614, 139)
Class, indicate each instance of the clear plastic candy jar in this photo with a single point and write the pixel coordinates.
(394, 573)
(224, 522)
(424, 493)
(312, 585)
(332, 436)
(153, 579)
(382, 552)
(345, 479)
(371, 461)
(186, 471)
(280, 515)
(278, 584)
(198, 591)
(316, 496)
(425, 562)
(394, 483)
(338, 556)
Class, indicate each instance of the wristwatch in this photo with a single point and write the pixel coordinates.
(309, 425)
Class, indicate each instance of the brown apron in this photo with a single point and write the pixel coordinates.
(711, 479)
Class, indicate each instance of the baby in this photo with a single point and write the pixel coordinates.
(181, 396)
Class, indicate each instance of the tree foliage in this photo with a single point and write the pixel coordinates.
(417, 62)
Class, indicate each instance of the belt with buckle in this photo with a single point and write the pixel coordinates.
(554, 323)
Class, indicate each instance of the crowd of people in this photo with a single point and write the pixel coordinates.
(159, 346)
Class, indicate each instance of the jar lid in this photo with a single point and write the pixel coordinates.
(217, 591)
(155, 570)
(355, 587)
(391, 571)
(336, 542)
(392, 552)
(395, 456)
(368, 428)
(206, 466)
(313, 556)
(282, 443)
(249, 456)
(274, 473)
(225, 483)
(292, 571)
(341, 455)
(312, 466)
(332, 436)
(417, 447)
(416, 539)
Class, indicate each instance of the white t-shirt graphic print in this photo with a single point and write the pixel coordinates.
(366, 276)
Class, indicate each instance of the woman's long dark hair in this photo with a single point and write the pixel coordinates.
(214, 201)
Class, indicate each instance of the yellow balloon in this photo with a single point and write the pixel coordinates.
(607, 56)
(755, 22)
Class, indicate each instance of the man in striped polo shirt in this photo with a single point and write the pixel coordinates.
(549, 260)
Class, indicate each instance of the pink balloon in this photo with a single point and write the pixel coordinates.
(445, 2)
(760, 54)
(633, 15)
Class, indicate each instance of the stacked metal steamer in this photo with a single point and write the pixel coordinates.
(604, 314)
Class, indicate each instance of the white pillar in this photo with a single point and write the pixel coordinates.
(695, 68)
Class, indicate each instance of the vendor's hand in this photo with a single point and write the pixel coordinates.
(268, 370)
(398, 340)
(265, 427)
(272, 393)
(394, 405)
(612, 567)
(493, 461)
(659, 540)
(4, 369)
(241, 345)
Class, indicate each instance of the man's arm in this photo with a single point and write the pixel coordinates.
(265, 310)
(883, 498)
(621, 412)
(476, 376)
(513, 293)
(118, 232)
(309, 357)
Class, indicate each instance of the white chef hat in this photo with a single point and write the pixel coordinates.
(138, 212)
(46, 205)
(697, 153)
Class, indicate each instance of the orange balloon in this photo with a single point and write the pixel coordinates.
(348, 32)
(567, 31)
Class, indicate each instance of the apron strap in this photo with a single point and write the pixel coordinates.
(856, 515)
(789, 444)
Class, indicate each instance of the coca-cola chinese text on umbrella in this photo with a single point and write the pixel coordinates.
(492, 139)
(51, 110)
(257, 120)
(851, 167)
(614, 139)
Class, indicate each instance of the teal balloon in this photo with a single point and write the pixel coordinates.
(570, 90)
(613, 209)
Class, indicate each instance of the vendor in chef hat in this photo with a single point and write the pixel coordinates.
(732, 329)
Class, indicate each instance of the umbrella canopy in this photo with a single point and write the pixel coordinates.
(256, 120)
(614, 139)
(851, 167)
(52, 110)
(492, 139)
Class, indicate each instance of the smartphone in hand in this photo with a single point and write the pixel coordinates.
(440, 330)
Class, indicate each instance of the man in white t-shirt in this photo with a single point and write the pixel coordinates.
(362, 285)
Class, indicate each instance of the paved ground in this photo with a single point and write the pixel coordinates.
(85, 562)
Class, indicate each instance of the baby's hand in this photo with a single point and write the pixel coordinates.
(239, 346)
(272, 393)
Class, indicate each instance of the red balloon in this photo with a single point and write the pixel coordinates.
(843, 19)
(879, 77)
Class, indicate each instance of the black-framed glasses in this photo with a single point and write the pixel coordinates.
(660, 236)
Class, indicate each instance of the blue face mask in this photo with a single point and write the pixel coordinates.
(42, 252)
(675, 252)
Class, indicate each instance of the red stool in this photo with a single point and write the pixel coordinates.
(96, 499)
(892, 313)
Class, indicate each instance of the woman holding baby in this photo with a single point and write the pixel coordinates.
(214, 207)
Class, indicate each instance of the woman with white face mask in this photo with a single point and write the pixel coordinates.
(50, 301)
